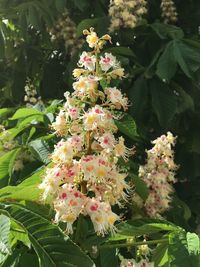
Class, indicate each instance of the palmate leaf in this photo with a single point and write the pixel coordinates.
(6, 166)
(54, 249)
(4, 234)
(40, 150)
(12, 260)
(164, 102)
(27, 190)
(127, 126)
(181, 253)
(145, 226)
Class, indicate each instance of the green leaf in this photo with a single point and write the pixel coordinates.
(85, 24)
(108, 257)
(193, 242)
(33, 17)
(140, 187)
(27, 190)
(182, 249)
(127, 126)
(4, 234)
(6, 166)
(40, 150)
(81, 4)
(145, 226)
(5, 112)
(167, 65)
(179, 55)
(2, 45)
(28, 259)
(139, 96)
(185, 101)
(160, 256)
(121, 50)
(165, 31)
(12, 260)
(17, 233)
(164, 102)
(53, 248)
(60, 5)
(25, 112)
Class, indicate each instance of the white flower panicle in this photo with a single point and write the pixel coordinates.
(126, 14)
(133, 263)
(31, 97)
(65, 31)
(85, 177)
(159, 175)
(7, 144)
(168, 11)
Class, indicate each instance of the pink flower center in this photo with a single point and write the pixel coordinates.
(94, 207)
(87, 59)
(64, 195)
(102, 162)
(98, 111)
(76, 194)
(106, 60)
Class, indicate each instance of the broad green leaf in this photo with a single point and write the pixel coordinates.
(60, 5)
(30, 120)
(180, 58)
(5, 111)
(85, 24)
(29, 259)
(160, 255)
(40, 150)
(13, 259)
(140, 187)
(4, 235)
(182, 253)
(33, 17)
(25, 112)
(165, 31)
(193, 242)
(17, 233)
(53, 248)
(2, 44)
(145, 226)
(127, 126)
(27, 190)
(121, 50)
(167, 65)
(139, 96)
(6, 166)
(185, 101)
(164, 102)
(108, 257)
(81, 4)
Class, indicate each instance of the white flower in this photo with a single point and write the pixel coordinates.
(115, 96)
(108, 61)
(87, 61)
(92, 39)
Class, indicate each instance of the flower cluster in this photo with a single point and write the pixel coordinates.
(65, 31)
(158, 174)
(169, 13)
(133, 263)
(7, 144)
(126, 14)
(85, 177)
(31, 96)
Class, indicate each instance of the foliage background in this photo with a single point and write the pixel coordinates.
(163, 84)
